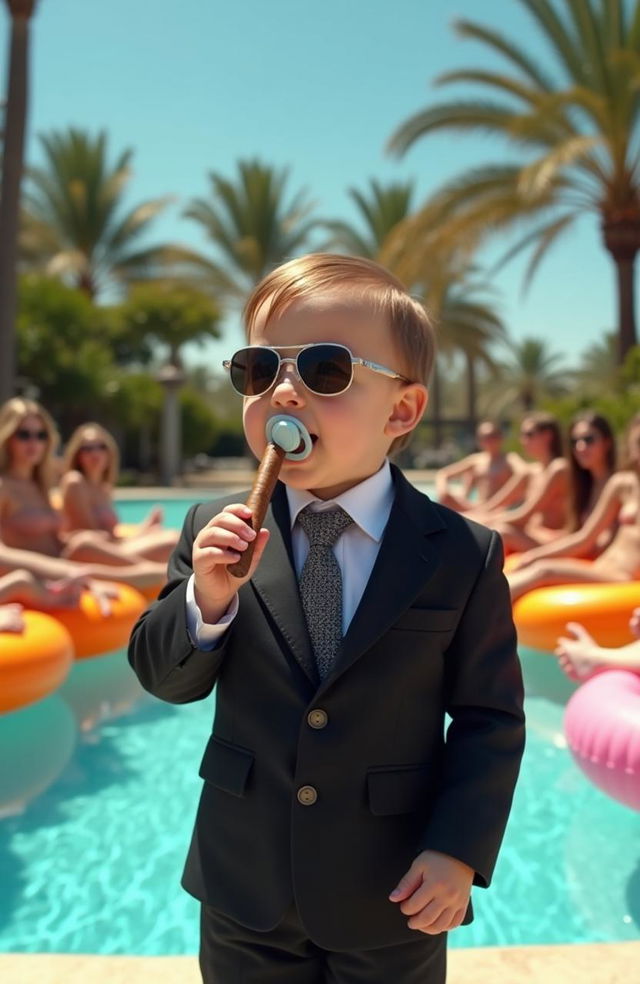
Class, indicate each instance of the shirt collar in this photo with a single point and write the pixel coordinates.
(368, 503)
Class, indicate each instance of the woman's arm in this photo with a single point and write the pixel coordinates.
(457, 470)
(579, 544)
(554, 476)
(512, 491)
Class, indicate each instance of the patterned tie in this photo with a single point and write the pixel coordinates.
(321, 583)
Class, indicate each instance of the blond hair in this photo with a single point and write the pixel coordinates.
(12, 414)
(71, 460)
(318, 273)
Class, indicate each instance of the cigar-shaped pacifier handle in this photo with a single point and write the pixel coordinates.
(286, 438)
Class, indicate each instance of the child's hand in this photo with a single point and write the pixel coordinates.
(219, 544)
(434, 893)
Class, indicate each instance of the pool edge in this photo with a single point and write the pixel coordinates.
(577, 963)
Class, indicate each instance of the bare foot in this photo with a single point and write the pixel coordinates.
(153, 520)
(581, 656)
(11, 618)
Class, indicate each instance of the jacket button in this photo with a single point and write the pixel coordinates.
(307, 795)
(317, 718)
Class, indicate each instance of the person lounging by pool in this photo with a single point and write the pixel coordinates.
(473, 481)
(580, 656)
(592, 462)
(28, 521)
(90, 472)
(542, 515)
(565, 561)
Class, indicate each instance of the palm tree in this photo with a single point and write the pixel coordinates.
(471, 326)
(579, 127)
(381, 209)
(532, 373)
(20, 12)
(75, 225)
(251, 225)
(598, 371)
(170, 313)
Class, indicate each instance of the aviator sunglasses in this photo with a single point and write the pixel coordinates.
(24, 434)
(92, 446)
(325, 368)
(587, 439)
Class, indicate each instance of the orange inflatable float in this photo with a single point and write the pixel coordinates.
(93, 632)
(604, 609)
(33, 663)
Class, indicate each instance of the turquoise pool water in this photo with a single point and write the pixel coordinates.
(92, 863)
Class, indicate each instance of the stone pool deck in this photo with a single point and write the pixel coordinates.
(580, 963)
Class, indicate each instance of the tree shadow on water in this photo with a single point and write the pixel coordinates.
(633, 894)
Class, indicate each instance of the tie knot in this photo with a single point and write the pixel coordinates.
(325, 527)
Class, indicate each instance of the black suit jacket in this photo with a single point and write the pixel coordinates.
(432, 634)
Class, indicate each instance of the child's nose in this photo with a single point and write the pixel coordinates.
(289, 389)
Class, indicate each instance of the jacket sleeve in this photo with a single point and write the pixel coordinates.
(485, 739)
(161, 652)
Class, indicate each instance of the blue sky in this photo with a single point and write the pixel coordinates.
(194, 85)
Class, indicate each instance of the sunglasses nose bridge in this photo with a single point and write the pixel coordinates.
(288, 375)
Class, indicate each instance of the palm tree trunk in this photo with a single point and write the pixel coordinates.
(626, 305)
(12, 166)
(621, 235)
(472, 392)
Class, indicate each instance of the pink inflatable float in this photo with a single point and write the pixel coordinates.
(602, 728)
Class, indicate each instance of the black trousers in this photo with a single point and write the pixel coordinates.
(232, 954)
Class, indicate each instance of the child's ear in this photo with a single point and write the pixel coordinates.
(407, 410)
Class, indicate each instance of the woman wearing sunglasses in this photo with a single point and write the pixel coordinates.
(28, 522)
(566, 561)
(90, 473)
(592, 462)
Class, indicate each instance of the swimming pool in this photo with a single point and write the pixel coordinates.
(93, 863)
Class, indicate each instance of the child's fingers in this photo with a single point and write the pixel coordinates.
(235, 509)
(226, 529)
(423, 897)
(407, 885)
(261, 542)
(427, 916)
(448, 919)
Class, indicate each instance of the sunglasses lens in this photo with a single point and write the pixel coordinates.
(253, 370)
(325, 369)
(27, 435)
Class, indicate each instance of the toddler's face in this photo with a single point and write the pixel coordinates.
(351, 432)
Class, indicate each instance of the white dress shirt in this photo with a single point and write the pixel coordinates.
(368, 504)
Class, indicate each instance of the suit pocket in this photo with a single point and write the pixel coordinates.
(427, 620)
(226, 766)
(399, 790)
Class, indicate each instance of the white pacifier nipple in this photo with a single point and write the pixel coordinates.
(290, 435)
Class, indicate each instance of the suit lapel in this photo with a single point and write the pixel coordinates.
(405, 562)
(276, 583)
